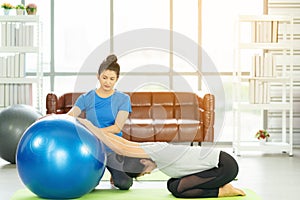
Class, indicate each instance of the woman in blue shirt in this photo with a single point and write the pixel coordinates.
(107, 109)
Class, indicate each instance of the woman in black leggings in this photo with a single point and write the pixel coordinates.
(195, 171)
(205, 183)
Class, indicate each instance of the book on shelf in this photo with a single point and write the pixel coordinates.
(6, 95)
(3, 67)
(29, 35)
(16, 65)
(28, 94)
(13, 35)
(17, 34)
(2, 72)
(8, 66)
(263, 66)
(275, 31)
(2, 93)
(20, 35)
(22, 65)
(21, 96)
(3, 34)
(15, 94)
(12, 66)
(252, 91)
(259, 92)
(8, 34)
(264, 31)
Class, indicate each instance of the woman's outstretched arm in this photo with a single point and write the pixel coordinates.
(74, 112)
(118, 144)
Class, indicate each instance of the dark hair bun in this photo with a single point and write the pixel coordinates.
(111, 59)
(110, 63)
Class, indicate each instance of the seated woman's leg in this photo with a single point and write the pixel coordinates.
(228, 170)
(115, 166)
(206, 183)
(178, 188)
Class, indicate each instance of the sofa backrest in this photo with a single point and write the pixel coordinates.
(145, 105)
(67, 101)
(164, 105)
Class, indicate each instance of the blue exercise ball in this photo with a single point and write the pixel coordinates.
(14, 120)
(58, 158)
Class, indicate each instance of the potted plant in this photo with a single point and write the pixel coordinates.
(20, 9)
(7, 7)
(31, 9)
(262, 135)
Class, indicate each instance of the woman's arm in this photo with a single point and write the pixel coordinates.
(118, 144)
(121, 118)
(74, 112)
(115, 129)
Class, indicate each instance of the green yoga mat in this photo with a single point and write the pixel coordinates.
(132, 194)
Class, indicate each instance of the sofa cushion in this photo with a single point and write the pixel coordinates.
(190, 132)
(166, 130)
(141, 130)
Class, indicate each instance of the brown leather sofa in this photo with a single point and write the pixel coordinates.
(158, 116)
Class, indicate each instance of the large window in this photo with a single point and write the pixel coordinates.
(218, 31)
(133, 26)
(78, 30)
(162, 65)
(218, 42)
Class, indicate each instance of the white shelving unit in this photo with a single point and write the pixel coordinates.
(20, 42)
(257, 70)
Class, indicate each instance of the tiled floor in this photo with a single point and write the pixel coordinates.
(272, 176)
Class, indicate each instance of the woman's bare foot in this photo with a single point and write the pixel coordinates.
(229, 191)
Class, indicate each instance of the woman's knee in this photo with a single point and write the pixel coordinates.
(123, 184)
(229, 164)
(172, 186)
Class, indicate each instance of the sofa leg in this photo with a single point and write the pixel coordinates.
(199, 143)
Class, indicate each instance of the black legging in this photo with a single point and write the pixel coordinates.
(205, 183)
(115, 165)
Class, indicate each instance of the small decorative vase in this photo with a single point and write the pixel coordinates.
(19, 11)
(262, 141)
(31, 11)
(6, 11)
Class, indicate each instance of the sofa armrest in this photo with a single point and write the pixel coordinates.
(62, 104)
(207, 106)
(51, 103)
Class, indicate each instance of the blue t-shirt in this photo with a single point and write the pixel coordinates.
(102, 112)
